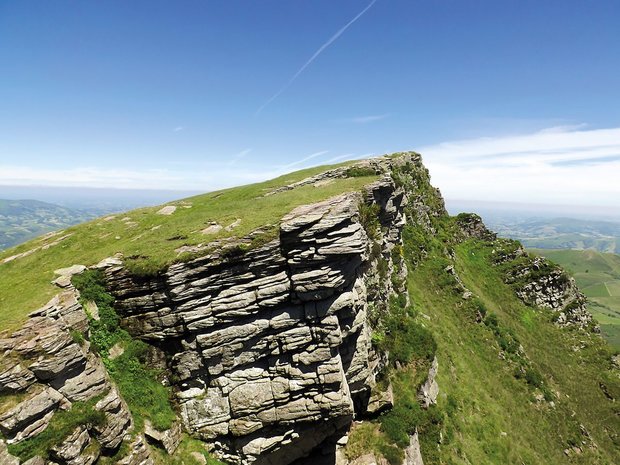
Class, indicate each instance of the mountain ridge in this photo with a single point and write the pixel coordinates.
(363, 300)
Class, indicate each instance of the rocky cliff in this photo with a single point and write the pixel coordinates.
(270, 349)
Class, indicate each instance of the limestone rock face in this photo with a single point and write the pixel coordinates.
(169, 439)
(270, 350)
(548, 286)
(5, 457)
(48, 371)
(69, 451)
(471, 226)
(31, 416)
(430, 389)
(138, 453)
(413, 456)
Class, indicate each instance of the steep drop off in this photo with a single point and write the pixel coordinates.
(367, 326)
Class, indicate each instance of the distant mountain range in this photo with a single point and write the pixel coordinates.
(21, 220)
(548, 226)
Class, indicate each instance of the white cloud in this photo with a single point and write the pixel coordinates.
(235, 158)
(201, 180)
(555, 165)
(365, 119)
(285, 168)
(178, 128)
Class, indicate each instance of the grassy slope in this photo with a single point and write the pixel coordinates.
(151, 238)
(498, 420)
(598, 275)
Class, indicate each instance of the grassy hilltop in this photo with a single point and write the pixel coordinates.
(148, 240)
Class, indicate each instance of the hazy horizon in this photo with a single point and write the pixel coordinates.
(125, 199)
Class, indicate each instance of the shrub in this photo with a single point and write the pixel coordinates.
(90, 283)
(400, 422)
(405, 339)
(533, 377)
(77, 336)
(382, 268)
(360, 172)
(369, 219)
(392, 454)
(491, 321)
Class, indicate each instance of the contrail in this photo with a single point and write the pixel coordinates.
(313, 57)
(309, 157)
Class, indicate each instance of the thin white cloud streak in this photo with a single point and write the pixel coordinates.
(238, 156)
(365, 119)
(346, 156)
(178, 128)
(322, 48)
(349, 156)
(557, 165)
(302, 161)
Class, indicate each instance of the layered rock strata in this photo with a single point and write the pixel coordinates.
(270, 349)
(45, 369)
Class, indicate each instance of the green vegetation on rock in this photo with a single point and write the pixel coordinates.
(514, 386)
(63, 423)
(138, 384)
(522, 404)
(190, 452)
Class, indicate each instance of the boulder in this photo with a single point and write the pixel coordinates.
(16, 378)
(427, 395)
(69, 450)
(380, 401)
(168, 439)
(32, 415)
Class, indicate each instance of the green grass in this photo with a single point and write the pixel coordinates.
(139, 386)
(185, 454)
(598, 276)
(497, 419)
(613, 287)
(149, 240)
(63, 423)
(513, 389)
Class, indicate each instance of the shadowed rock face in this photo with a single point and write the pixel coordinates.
(270, 350)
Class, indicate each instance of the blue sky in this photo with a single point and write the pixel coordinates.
(510, 100)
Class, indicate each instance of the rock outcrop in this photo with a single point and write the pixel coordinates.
(542, 284)
(270, 348)
(46, 370)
